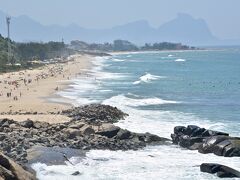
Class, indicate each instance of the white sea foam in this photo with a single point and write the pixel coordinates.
(99, 61)
(105, 90)
(118, 60)
(180, 60)
(123, 100)
(160, 122)
(170, 55)
(83, 101)
(107, 75)
(153, 162)
(156, 162)
(89, 83)
(148, 78)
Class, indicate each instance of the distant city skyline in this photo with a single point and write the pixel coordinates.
(222, 16)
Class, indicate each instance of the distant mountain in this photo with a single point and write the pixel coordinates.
(187, 29)
(183, 28)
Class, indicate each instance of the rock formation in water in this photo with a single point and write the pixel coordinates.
(206, 141)
(221, 170)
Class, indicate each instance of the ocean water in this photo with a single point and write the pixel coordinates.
(159, 90)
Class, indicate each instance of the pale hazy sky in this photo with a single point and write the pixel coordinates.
(222, 16)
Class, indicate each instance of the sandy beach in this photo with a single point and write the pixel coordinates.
(24, 94)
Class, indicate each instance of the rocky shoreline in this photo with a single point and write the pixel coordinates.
(207, 141)
(91, 127)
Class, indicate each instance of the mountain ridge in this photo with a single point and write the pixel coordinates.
(182, 29)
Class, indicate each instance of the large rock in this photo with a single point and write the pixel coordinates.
(37, 124)
(87, 130)
(72, 133)
(206, 141)
(6, 122)
(210, 143)
(123, 134)
(221, 170)
(151, 138)
(221, 146)
(79, 130)
(108, 130)
(77, 125)
(232, 149)
(27, 124)
(11, 170)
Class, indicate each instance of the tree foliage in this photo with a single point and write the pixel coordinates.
(23, 52)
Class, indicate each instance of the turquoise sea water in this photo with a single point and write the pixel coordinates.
(204, 83)
(159, 90)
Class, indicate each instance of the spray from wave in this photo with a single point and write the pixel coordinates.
(180, 60)
(147, 78)
(118, 60)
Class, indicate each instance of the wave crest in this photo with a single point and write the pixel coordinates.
(180, 60)
(126, 101)
(147, 78)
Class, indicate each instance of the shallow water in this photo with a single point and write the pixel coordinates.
(158, 91)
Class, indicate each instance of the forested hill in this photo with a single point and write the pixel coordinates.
(21, 53)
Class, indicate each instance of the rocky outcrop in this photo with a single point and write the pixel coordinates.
(206, 141)
(10, 170)
(96, 113)
(86, 131)
(221, 170)
(221, 146)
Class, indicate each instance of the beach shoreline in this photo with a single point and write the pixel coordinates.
(32, 91)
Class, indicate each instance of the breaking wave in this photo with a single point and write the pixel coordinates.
(147, 78)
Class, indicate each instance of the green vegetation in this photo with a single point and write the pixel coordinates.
(22, 53)
(40, 51)
(4, 53)
(166, 46)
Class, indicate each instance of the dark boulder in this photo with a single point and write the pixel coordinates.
(108, 130)
(123, 134)
(187, 142)
(221, 146)
(208, 133)
(206, 141)
(76, 173)
(198, 132)
(209, 144)
(151, 138)
(190, 129)
(221, 170)
(27, 124)
(179, 130)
